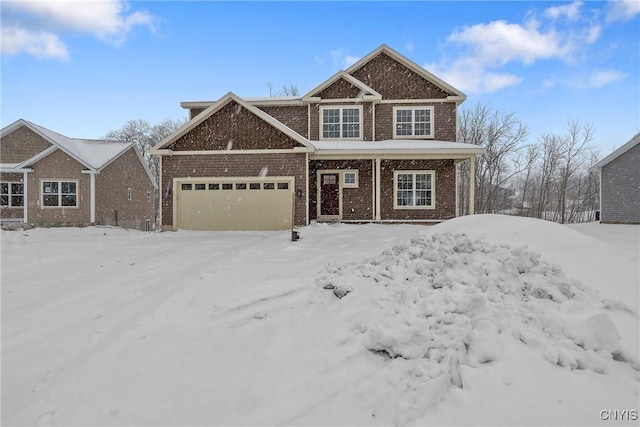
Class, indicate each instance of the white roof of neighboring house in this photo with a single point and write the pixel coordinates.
(92, 153)
(617, 153)
(395, 145)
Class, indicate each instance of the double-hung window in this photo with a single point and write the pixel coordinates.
(12, 194)
(414, 189)
(341, 122)
(413, 122)
(60, 194)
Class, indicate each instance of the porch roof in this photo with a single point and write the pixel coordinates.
(395, 146)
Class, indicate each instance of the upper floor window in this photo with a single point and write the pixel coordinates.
(12, 194)
(413, 122)
(59, 193)
(341, 122)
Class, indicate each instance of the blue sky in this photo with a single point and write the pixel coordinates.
(85, 68)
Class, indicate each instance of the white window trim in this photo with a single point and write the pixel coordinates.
(60, 181)
(343, 179)
(10, 195)
(414, 172)
(413, 108)
(340, 107)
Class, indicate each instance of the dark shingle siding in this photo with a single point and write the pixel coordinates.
(621, 188)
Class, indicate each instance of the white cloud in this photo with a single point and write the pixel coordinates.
(341, 59)
(602, 78)
(349, 60)
(622, 10)
(40, 44)
(468, 75)
(547, 85)
(36, 26)
(570, 11)
(499, 42)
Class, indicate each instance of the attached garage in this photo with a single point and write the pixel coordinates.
(239, 203)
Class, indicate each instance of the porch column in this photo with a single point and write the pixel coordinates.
(25, 198)
(378, 180)
(472, 184)
(93, 198)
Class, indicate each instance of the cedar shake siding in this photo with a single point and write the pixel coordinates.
(233, 165)
(20, 145)
(294, 117)
(58, 166)
(340, 89)
(195, 111)
(445, 188)
(393, 80)
(113, 206)
(357, 203)
(233, 127)
(444, 116)
(620, 180)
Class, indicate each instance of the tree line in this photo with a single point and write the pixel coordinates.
(547, 179)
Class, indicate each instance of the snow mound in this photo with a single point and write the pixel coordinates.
(446, 300)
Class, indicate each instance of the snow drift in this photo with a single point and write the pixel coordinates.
(445, 300)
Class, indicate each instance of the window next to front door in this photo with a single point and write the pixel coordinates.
(414, 190)
(59, 194)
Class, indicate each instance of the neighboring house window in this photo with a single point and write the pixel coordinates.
(129, 193)
(341, 122)
(414, 189)
(413, 122)
(59, 193)
(350, 179)
(12, 194)
(148, 196)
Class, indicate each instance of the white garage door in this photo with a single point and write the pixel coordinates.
(234, 203)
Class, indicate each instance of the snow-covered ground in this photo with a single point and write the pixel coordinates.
(483, 320)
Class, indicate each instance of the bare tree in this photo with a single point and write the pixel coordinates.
(501, 135)
(145, 136)
(287, 90)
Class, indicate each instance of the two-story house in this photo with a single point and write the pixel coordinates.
(375, 142)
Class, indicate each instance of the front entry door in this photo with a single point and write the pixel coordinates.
(329, 194)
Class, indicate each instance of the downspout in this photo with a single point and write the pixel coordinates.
(457, 172)
(92, 219)
(160, 193)
(25, 198)
(373, 121)
(373, 189)
(307, 189)
(472, 184)
(378, 180)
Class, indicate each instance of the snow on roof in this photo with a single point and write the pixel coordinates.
(426, 146)
(93, 153)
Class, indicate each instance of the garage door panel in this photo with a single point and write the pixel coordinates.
(243, 207)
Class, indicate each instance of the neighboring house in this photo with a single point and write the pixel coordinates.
(373, 143)
(50, 179)
(620, 184)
